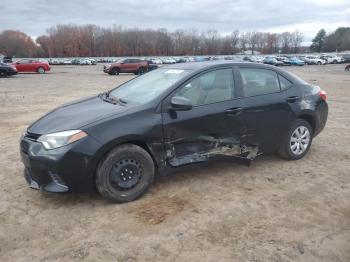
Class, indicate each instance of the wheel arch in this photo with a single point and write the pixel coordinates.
(104, 151)
(310, 118)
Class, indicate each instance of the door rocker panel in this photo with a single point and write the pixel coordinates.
(219, 147)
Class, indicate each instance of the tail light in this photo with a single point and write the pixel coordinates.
(323, 95)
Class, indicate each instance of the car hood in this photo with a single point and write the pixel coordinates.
(75, 115)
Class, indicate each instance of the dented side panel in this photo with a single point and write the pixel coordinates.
(202, 133)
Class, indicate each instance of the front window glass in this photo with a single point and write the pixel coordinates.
(147, 87)
(212, 87)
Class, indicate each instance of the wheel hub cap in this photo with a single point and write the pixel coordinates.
(300, 140)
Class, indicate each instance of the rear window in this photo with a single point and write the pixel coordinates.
(258, 81)
(284, 83)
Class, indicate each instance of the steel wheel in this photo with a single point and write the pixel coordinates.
(126, 174)
(300, 140)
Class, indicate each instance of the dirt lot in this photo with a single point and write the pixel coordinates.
(274, 210)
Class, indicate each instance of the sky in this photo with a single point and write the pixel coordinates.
(308, 16)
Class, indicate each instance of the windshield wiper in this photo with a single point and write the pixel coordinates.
(112, 99)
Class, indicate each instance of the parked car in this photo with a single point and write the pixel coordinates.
(283, 59)
(156, 61)
(7, 70)
(272, 61)
(312, 60)
(252, 59)
(67, 62)
(54, 61)
(127, 65)
(168, 60)
(31, 65)
(7, 59)
(169, 118)
(296, 61)
(332, 59)
(346, 58)
(151, 65)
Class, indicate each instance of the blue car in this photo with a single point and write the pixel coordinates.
(296, 61)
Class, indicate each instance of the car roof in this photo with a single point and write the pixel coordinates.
(212, 64)
(198, 67)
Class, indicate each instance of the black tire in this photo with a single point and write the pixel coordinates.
(115, 71)
(285, 150)
(41, 70)
(319, 63)
(141, 71)
(3, 74)
(110, 174)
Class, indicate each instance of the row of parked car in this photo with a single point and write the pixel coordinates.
(140, 66)
(76, 61)
(299, 60)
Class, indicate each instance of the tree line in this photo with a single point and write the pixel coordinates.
(339, 40)
(71, 40)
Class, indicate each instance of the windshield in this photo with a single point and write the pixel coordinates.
(147, 87)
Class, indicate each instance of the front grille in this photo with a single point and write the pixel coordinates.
(31, 136)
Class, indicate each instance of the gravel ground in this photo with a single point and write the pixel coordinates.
(274, 210)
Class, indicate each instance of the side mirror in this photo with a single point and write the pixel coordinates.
(180, 103)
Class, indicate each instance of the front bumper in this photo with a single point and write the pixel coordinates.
(106, 69)
(66, 169)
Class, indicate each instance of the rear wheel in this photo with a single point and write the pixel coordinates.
(298, 140)
(141, 71)
(125, 174)
(41, 70)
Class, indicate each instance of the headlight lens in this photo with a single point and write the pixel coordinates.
(55, 140)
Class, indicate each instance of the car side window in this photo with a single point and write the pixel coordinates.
(257, 81)
(25, 61)
(211, 87)
(284, 83)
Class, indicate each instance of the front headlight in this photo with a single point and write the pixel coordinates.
(59, 139)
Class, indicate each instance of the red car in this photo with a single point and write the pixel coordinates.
(136, 66)
(31, 65)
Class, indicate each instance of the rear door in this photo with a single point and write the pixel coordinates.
(212, 127)
(268, 102)
(125, 66)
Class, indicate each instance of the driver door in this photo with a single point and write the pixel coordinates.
(211, 128)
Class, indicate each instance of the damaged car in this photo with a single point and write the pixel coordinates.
(174, 116)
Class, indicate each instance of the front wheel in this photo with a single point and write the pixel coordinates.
(3, 74)
(125, 173)
(115, 71)
(298, 140)
(41, 70)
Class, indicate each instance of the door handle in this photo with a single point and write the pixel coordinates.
(234, 111)
(292, 99)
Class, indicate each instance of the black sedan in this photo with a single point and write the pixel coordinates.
(7, 70)
(171, 117)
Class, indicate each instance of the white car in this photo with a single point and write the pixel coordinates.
(156, 61)
(169, 60)
(67, 62)
(332, 59)
(314, 60)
